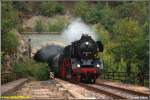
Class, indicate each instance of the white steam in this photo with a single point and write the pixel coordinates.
(75, 30)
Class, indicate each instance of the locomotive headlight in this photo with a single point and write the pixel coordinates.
(87, 43)
(78, 65)
(98, 65)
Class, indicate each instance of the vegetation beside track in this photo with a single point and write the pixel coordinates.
(30, 68)
(122, 26)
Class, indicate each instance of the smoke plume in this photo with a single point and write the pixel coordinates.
(75, 30)
(48, 53)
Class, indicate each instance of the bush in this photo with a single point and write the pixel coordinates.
(59, 8)
(51, 8)
(55, 27)
(29, 67)
(10, 42)
(91, 16)
(108, 17)
(10, 18)
(81, 8)
(57, 24)
(39, 26)
(23, 6)
(99, 13)
(85, 11)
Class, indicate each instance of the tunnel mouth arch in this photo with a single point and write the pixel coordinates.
(48, 52)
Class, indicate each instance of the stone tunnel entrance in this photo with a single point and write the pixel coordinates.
(39, 41)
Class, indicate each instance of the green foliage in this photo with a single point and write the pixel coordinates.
(23, 6)
(126, 46)
(136, 10)
(128, 33)
(9, 16)
(87, 12)
(54, 24)
(81, 8)
(59, 8)
(108, 17)
(55, 27)
(57, 24)
(132, 44)
(51, 8)
(39, 26)
(102, 13)
(9, 20)
(124, 10)
(30, 68)
(92, 16)
(10, 42)
(106, 14)
(122, 27)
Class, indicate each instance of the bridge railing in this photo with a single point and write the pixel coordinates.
(133, 78)
(8, 77)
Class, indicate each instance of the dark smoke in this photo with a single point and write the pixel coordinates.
(46, 54)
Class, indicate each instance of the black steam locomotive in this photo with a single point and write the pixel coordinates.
(79, 61)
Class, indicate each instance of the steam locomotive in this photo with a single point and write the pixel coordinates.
(79, 61)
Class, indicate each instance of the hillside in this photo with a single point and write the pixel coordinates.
(122, 27)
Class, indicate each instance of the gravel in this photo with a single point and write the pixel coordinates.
(82, 92)
(121, 93)
(42, 90)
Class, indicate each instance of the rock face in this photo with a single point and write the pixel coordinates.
(23, 48)
(7, 64)
(22, 51)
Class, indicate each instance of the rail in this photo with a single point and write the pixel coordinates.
(140, 93)
(111, 91)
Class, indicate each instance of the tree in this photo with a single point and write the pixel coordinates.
(136, 10)
(89, 13)
(108, 17)
(51, 8)
(10, 17)
(10, 43)
(131, 38)
(81, 8)
(23, 6)
(10, 20)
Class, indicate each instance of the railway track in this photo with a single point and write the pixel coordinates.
(134, 92)
(115, 92)
(98, 89)
(112, 91)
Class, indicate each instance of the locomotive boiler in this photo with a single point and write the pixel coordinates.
(80, 61)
